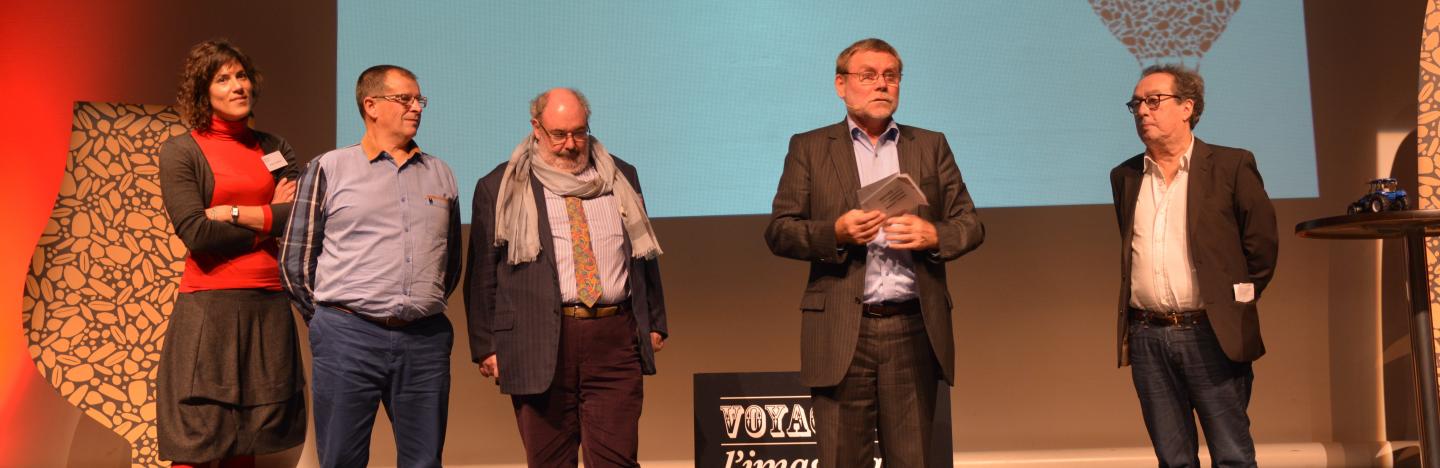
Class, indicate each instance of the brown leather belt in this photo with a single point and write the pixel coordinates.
(1169, 319)
(889, 309)
(581, 311)
(390, 322)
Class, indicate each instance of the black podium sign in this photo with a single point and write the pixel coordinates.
(764, 420)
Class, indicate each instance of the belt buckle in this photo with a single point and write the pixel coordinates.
(1178, 320)
(580, 311)
(1161, 319)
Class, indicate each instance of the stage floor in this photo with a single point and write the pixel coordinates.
(1298, 455)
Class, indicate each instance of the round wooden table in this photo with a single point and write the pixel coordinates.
(1413, 226)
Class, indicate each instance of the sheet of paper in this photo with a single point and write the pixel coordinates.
(865, 192)
(1244, 292)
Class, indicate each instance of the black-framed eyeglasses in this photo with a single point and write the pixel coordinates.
(559, 137)
(869, 77)
(405, 99)
(1152, 101)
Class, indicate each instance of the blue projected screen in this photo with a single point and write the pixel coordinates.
(703, 97)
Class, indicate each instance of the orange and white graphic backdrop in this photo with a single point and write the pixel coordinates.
(104, 274)
(1427, 134)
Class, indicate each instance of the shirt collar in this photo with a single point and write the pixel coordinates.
(892, 131)
(373, 150)
(1151, 165)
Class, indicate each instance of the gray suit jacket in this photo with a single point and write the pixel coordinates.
(1232, 240)
(514, 310)
(817, 186)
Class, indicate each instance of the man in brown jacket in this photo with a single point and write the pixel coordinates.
(1197, 247)
(875, 317)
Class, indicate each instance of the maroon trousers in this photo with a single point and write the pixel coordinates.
(593, 402)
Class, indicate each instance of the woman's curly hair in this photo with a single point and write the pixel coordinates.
(205, 59)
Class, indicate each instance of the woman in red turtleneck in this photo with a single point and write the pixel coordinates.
(230, 384)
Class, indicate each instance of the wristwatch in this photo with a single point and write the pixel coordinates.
(234, 214)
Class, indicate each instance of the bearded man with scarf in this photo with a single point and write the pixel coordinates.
(563, 291)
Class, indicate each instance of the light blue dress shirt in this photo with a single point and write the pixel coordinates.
(889, 273)
(372, 236)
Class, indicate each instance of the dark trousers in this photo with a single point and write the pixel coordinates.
(358, 365)
(890, 388)
(1180, 372)
(593, 402)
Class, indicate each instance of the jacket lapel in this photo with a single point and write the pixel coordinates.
(547, 240)
(1198, 188)
(911, 160)
(1133, 181)
(842, 158)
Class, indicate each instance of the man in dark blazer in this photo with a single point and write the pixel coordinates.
(563, 291)
(1198, 246)
(875, 316)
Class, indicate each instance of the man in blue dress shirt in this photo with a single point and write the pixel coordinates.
(370, 256)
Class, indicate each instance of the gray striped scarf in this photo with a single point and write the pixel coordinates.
(517, 220)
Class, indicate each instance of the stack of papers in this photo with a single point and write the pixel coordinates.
(894, 195)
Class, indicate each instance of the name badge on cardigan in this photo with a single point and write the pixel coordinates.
(274, 161)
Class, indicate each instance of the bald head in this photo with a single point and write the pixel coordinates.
(560, 119)
(559, 100)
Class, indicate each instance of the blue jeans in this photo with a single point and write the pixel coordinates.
(358, 365)
(1180, 372)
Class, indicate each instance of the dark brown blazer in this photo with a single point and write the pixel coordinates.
(818, 185)
(514, 310)
(1232, 240)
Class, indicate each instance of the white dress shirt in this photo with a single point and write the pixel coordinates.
(1162, 277)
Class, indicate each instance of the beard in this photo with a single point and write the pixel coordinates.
(569, 153)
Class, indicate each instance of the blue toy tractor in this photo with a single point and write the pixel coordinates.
(1383, 196)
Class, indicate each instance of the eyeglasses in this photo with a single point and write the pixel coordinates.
(1152, 101)
(559, 137)
(405, 99)
(869, 77)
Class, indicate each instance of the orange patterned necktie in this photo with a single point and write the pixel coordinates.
(587, 275)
